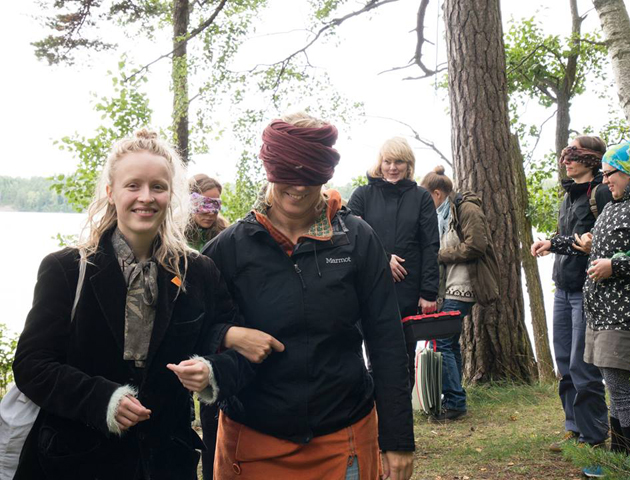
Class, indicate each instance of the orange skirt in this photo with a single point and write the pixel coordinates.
(244, 453)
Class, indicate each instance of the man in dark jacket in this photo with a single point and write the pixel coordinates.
(581, 389)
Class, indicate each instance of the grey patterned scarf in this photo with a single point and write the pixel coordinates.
(444, 215)
(142, 292)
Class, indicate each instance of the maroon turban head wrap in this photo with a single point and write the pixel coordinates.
(299, 155)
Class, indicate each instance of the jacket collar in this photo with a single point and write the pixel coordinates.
(339, 232)
(401, 185)
(579, 188)
(110, 290)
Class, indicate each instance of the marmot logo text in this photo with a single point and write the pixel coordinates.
(339, 260)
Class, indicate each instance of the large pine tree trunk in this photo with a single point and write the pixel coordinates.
(616, 25)
(179, 76)
(495, 340)
(530, 267)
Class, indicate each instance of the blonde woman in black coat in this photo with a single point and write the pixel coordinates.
(112, 372)
(403, 216)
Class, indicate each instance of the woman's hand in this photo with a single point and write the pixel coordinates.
(398, 272)
(426, 307)
(583, 243)
(253, 344)
(130, 412)
(192, 373)
(397, 465)
(600, 269)
(541, 248)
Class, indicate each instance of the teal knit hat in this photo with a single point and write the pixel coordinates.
(618, 156)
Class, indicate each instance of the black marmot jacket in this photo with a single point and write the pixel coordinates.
(403, 216)
(312, 302)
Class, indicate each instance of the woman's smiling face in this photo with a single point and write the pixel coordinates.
(141, 193)
(296, 201)
(616, 180)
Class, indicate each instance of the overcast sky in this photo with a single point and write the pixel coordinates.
(39, 104)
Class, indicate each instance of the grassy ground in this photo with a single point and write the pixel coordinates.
(505, 435)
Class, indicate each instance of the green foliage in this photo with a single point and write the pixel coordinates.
(544, 195)
(359, 181)
(31, 195)
(239, 198)
(8, 344)
(221, 97)
(536, 63)
(71, 25)
(616, 466)
(123, 113)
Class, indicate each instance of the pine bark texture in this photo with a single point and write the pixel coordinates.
(179, 76)
(616, 25)
(530, 267)
(495, 344)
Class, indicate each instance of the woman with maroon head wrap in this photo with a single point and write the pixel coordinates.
(309, 278)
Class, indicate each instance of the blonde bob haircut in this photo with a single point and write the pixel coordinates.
(396, 148)
(304, 120)
(172, 248)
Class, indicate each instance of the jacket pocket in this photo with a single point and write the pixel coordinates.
(62, 451)
(176, 458)
(187, 326)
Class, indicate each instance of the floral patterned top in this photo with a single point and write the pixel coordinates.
(607, 302)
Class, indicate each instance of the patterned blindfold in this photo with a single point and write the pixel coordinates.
(201, 204)
(585, 156)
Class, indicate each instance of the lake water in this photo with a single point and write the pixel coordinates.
(27, 237)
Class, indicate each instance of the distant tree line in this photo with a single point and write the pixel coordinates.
(31, 195)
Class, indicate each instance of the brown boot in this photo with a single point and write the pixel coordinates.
(569, 436)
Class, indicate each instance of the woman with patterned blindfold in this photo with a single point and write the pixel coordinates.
(205, 201)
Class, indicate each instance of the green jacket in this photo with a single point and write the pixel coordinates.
(476, 249)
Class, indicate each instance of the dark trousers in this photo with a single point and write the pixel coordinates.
(454, 395)
(581, 389)
(209, 425)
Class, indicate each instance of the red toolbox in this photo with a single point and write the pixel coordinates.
(432, 325)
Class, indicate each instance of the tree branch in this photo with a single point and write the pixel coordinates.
(531, 153)
(422, 10)
(372, 4)
(417, 136)
(189, 37)
(571, 69)
(527, 57)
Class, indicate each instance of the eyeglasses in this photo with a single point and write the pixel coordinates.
(610, 172)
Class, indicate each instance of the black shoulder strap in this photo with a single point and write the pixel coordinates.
(592, 201)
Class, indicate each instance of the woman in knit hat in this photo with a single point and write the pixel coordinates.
(309, 278)
(606, 299)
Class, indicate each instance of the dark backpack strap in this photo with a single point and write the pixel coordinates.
(592, 201)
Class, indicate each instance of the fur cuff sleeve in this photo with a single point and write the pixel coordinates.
(210, 394)
(112, 407)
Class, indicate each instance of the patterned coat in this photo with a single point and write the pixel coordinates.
(607, 302)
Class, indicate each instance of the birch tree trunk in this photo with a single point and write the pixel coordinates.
(179, 76)
(495, 341)
(616, 25)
